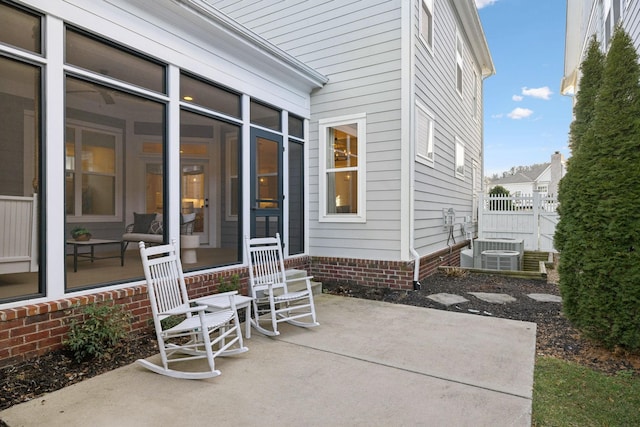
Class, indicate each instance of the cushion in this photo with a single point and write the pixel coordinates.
(155, 227)
(142, 222)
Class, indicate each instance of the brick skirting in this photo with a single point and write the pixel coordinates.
(31, 330)
(381, 274)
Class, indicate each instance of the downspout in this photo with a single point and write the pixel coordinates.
(410, 46)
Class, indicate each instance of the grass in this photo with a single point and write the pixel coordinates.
(567, 394)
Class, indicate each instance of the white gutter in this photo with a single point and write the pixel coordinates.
(410, 105)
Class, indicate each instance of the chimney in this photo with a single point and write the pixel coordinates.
(557, 172)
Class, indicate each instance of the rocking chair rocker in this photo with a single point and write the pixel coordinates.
(198, 334)
(272, 301)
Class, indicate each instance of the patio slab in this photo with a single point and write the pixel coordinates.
(368, 363)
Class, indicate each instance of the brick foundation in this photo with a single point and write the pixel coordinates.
(31, 330)
(381, 274)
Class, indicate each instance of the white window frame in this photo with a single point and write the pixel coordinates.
(459, 160)
(325, 125)
(424, 141)
(79, 173)
(459, 69)
(426, 8)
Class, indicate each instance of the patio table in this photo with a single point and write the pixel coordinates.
(92, 243)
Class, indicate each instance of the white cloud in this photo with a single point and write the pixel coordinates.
(517, 98)
(539, 92)
(519, 113)
(483, 3)
(497, 116)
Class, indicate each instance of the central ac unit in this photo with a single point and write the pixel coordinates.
(497, 244)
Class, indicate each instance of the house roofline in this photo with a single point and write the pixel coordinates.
(242, 33)
(471, 21)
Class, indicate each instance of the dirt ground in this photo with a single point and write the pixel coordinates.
(555, 336)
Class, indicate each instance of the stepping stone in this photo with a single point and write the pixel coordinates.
(545, 297)
(493, 298)
(447, 299)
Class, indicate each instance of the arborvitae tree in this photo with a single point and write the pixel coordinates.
(600, 257)
(571, 205)
(591, 71)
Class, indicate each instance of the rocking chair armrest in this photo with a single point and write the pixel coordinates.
(192, 309)
(299, 279)
(199, 301)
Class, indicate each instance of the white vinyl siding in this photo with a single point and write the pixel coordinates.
(357, 45)
(459, 64)
(438, 187)
(424, 135)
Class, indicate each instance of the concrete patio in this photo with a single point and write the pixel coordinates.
(369, 363)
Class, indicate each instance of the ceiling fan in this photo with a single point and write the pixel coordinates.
(104, 93)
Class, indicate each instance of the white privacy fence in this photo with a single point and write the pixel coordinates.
(532, 218)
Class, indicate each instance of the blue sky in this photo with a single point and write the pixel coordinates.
(526, 119)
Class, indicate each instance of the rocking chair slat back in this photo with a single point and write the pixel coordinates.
(267, 263)
(165, 271)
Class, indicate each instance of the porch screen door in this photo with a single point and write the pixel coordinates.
(266, 183)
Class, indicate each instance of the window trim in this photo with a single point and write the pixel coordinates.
(459, 159)
(323, 126)
(427, 40)
(423, 112)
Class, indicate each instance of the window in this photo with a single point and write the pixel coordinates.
(424, 135)
(97, 117)
(115, 62)
(459, 50)
(211, 187)
(426, 22)
(21, 156)
(607, 29)
(296, 197)
(208, 95)
(342, 169)
(20, 28)
(92, 180)
(265, 116)
(459, 159)
(296, 126)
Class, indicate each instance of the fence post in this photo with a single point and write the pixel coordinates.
(537, 200)
(480, 214)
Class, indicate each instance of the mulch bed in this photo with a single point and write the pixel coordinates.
(555, 336)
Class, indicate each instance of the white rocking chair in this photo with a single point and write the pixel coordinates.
(272, 301)
(198, 334)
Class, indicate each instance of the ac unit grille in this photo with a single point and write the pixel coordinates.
(500, 260)
(489, 244)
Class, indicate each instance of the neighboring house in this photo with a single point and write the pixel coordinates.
(586, 18)
(543, 178)
(355, 131)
